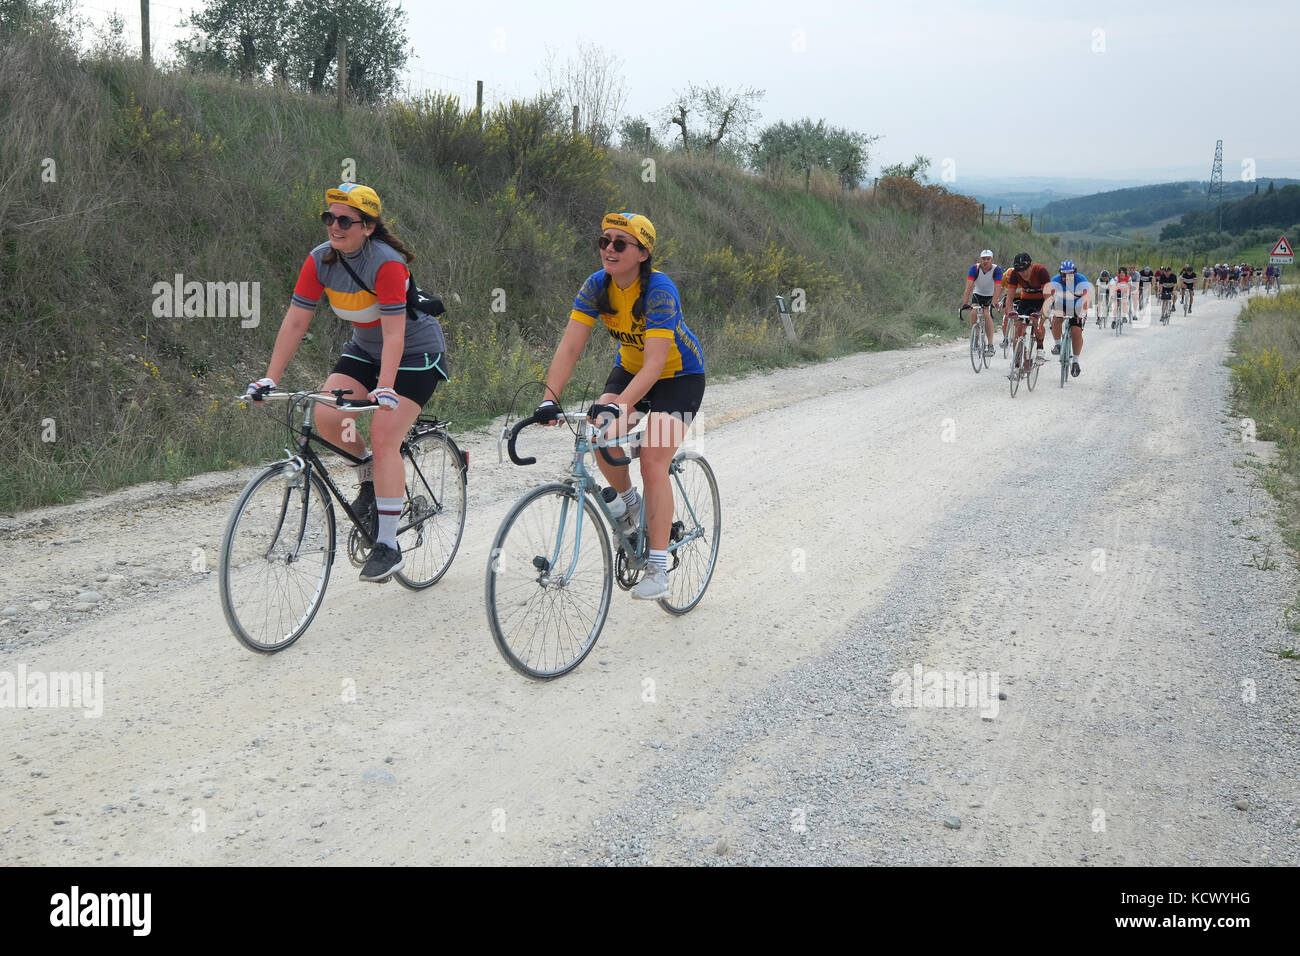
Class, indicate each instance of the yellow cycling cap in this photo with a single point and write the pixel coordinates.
(633, 223)
(356, 196)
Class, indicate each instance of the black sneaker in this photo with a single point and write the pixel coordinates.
(1074, 369)
(1056, 349)
(384, 562)
(366, 510)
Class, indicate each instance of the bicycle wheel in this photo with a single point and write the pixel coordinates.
(434, 511)
(1017, 366)
(1031, 373)
(977, 346)
(696, 531)
(542, 625)
(276, 556)
(1065, 362)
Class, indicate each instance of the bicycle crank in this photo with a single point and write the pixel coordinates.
(626, 577)
(358, 553)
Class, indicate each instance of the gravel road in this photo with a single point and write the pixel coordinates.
(1093, 573)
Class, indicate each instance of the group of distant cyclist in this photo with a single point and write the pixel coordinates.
(1028, 290)
(1226, 279)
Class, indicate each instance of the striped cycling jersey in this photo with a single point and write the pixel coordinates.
(986, 283)
(663, 319)
(382, 268)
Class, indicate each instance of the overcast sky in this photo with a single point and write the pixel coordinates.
(1021, 87)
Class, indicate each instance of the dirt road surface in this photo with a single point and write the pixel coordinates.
(1100, 560)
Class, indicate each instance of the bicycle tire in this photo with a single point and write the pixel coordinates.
(434, 510)
(528, 617)
(1031, 375)
(1017, 363)
(698, 508)
(977, 346)
(261, 590)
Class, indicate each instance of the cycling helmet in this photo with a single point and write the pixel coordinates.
(1067, 265)
(1022, 261)
(1105, 274)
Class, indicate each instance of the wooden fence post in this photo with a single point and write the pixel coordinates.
(343, 72)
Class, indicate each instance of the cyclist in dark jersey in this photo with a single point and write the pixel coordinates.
(1188, 279)
(394, 359)
(1165, 282)
(659, 369)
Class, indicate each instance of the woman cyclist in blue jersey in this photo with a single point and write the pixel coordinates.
(395, 360)
(659, 369)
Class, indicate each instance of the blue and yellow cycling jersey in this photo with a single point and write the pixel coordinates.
(663, 319)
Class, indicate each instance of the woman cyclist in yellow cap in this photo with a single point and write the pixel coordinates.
(395, 360)
(659, 369)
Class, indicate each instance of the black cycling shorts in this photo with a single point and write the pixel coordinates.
(1166, 293)
(1024, 307)
(418, 386)
(984, 300)
(680, 396)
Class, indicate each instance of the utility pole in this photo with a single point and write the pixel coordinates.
(144, 31)
(1216, 183)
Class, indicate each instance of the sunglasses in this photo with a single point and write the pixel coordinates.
(619, 244)
(345, 222)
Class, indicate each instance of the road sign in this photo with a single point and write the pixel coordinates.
(1281, 253)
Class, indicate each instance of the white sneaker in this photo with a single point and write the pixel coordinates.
(653, 586)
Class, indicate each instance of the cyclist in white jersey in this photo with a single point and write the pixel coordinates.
(984, 281)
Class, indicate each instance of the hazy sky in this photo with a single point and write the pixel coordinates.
(1100, 89)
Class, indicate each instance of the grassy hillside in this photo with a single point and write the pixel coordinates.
(118, 178)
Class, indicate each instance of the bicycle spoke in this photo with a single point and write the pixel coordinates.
(434, 511)
(550, 575)
(272, 588)
(697, 507)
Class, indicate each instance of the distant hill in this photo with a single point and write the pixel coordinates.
(1027, 193)
(1275, 205)
(1140, 206)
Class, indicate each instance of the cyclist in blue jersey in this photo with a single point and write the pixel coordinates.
(394, 359)
(1068, 296)
(658, 369)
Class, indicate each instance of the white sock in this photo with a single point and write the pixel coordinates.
(659, 559)
(390, 510)
(631, 498)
